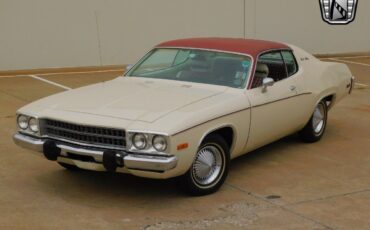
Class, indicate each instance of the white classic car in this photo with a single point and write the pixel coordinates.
(187, 108)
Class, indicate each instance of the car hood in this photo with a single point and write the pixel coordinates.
(130, 98)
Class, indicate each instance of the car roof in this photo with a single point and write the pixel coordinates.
(251, 47)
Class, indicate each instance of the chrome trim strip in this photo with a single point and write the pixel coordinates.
(281, 99)
(241, 110)
(255, 106)
(81, 143)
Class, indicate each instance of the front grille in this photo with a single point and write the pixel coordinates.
(97, 136)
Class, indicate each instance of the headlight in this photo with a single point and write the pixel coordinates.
(159, 143)
(33, 124)
(22, 122)
(139, 141)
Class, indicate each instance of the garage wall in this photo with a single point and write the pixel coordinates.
(70, 33)
(299, 22)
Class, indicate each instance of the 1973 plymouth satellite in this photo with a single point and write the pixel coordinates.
(187, 108)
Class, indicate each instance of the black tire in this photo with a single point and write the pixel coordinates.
(69, 167)
(190, 181)
(313, 131)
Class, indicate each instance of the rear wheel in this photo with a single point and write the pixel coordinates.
(69, 167)
(210, 167)
(315, 128)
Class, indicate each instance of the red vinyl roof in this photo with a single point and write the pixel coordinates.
(238, 45)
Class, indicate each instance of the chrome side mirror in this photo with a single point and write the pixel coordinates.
(267, 81)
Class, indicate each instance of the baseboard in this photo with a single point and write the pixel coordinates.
(62, 70)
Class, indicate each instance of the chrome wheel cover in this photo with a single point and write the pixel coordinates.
(318, 119)
(208, 165)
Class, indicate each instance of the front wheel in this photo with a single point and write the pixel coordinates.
(210, 167)
(315, 128)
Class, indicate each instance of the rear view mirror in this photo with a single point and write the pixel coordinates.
(267, 82)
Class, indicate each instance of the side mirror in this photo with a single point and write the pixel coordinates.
(267, 81)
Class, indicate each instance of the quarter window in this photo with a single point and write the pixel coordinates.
(290, 62)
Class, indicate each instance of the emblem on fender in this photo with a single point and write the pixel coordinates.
(338, 12)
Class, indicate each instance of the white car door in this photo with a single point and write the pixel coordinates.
(275, 110)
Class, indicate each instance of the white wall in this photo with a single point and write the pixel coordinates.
(69, 33)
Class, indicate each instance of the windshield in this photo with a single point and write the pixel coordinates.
(191, 65)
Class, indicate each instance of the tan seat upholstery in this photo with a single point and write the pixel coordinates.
(262, 71)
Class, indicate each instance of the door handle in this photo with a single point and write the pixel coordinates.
(292, 88)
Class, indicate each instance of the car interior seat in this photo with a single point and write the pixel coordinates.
(262, 71)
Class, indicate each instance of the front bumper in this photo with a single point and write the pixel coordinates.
(87, 157)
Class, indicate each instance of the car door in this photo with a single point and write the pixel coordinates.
(273, 110)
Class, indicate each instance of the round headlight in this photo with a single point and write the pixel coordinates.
(139, 141)
(33, 124)
(22, 122)
(159, 143)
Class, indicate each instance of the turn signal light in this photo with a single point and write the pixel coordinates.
(182, 146)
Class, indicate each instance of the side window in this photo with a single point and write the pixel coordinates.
(290, 62)
(269, 65)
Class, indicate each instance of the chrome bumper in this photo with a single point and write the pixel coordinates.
(131, 161)
(352, 84)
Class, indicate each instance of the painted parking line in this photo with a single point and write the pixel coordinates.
(357, 84)
(11, 76)
(49, 82)
(348, 57)
(349, 62)
(69, 73)
(83, 72)
(361, 86)
(365, 56)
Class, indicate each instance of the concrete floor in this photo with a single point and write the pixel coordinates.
(286, 185)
